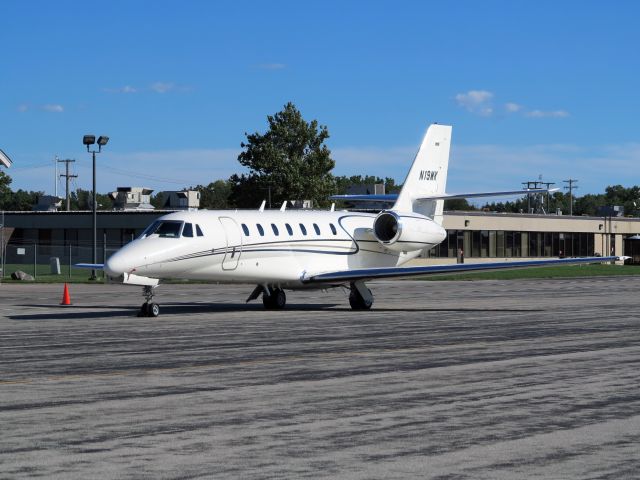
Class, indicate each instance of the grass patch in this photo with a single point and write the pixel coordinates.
(43, 274)
(561, 271)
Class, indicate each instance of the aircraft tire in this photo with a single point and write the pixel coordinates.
(276, 301)
(153, 310)
(357, 302)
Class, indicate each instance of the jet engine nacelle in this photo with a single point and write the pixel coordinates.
(402, 232)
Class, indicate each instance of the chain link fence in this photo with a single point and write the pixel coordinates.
(51, 262)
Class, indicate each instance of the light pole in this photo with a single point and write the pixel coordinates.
(89, 140)
(6, 162)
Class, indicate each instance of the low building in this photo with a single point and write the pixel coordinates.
(132, 198)
(481, 236)
(182, 200)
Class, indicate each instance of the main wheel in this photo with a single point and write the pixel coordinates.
(357, 302)
(276, 301)
(144, 308)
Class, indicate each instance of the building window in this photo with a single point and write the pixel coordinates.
(260, 229)
(500, 244)
(245, 229)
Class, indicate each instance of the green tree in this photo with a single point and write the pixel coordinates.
(214, 196)
(290, 161)
(81, 200)
(459, 204)
(5, 190)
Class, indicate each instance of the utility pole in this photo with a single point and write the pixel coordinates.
(530, 185)
(67, 176)
(548, 185)
(571, 187)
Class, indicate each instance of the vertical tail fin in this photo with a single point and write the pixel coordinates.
(428, 175)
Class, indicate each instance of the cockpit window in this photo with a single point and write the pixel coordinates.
(166, 228)
(187, 231)
(199, 231)
(149, 229)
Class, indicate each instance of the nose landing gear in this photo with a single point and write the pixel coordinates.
(148, 308)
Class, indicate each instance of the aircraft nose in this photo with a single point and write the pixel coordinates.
(117, 264)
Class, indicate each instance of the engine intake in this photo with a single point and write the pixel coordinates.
(387, 227)
(408, 232)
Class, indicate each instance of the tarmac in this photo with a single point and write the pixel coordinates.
(535, 379)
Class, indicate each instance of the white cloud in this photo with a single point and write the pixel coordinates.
(125, 89)
(272, 66)
(480, 102)
(547, 114)
(53, 107)
(23, 107)
(162, 87)
(511, 107)
(476, 101)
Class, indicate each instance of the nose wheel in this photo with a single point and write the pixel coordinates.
(149, 308)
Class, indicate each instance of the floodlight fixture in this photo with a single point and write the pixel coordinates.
(103, 140)
(89, 140)
(4, 159)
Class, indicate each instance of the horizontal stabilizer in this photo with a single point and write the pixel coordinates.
(389, 197)
(391, 272)
(451, 196)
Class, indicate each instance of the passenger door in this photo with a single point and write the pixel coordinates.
(234, 243)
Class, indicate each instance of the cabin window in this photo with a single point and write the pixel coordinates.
(275, 229)
(333, 229)
(198, 231)
(187, 231)
(260, 229)
(245, 229)
(289, 229)
(303, 229)
(316, 228)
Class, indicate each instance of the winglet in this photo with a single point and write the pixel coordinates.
(284, 206)
(262, 205)
(333, 207)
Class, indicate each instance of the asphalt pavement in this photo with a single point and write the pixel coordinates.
(535, 379)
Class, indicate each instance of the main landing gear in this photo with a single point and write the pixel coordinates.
(275, 300)
(360, 297)
(148, 308)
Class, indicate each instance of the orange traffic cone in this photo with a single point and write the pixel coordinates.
(66, 299)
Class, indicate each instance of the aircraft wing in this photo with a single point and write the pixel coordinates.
(392, 197)
(92, 266)
(392, 272)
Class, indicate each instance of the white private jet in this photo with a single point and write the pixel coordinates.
(296, 250)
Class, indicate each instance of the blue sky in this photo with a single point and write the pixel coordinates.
(531, 88)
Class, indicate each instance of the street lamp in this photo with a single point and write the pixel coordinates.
(89, 140)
